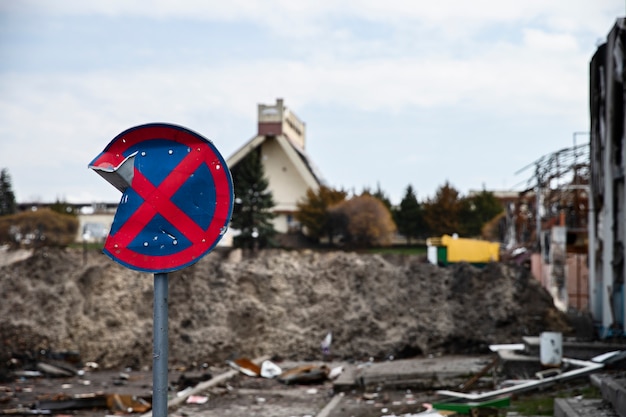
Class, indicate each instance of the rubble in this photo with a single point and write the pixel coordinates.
(379, 386)
(279, 302)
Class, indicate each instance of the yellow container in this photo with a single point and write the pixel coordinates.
(470, 250)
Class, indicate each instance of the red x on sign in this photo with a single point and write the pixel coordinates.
(177, 197)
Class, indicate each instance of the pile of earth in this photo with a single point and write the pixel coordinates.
(277, 303)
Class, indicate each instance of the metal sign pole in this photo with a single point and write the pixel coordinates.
(160, 347)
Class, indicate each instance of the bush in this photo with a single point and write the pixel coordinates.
(364, 221)
(42, 227)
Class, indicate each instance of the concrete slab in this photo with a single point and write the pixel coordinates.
(518, 365)
(613, 388)
(572, 407)
(426, 373)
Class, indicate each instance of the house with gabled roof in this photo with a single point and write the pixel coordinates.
(281, 140)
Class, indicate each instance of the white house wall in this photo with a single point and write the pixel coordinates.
(285, 183)
(104, 221)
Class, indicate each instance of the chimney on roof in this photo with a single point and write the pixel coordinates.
(277, 119)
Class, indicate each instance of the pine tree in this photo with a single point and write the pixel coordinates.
(382, 196)
(253, 204)
(7, 197)
(409, 216)
(478, 210)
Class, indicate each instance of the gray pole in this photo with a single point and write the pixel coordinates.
(538, 210)
(160, 348)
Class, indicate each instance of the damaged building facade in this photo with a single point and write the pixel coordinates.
(546, 224)
(573, 212)
(571, 219)
(607, 214)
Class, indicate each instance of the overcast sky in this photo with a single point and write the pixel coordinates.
(392, 92)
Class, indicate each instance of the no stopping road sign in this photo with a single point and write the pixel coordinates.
(177, 197)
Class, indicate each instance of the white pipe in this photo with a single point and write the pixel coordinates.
(586, 368)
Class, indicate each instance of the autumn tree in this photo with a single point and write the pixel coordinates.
(252, 214)
(313, 211)
(42, 227)
(364, 221)
(409, 216)
(441, 213)
(7, 197)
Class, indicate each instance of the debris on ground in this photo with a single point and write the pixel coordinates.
(245, 366)
(371, 308)
(305, 374)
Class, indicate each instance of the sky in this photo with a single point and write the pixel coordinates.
(393, 93)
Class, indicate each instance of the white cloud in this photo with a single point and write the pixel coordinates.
(508, 73)
(565, 14)
(541, 40)
(507, 59)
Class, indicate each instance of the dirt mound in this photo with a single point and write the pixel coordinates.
(278, 303)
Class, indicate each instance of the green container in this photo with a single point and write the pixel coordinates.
(442, 255)
(466, 408)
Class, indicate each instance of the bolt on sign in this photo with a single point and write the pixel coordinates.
(177, 197)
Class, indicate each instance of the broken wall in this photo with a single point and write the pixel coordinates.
(607, 215)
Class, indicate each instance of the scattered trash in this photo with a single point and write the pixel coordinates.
(270, 370)
(325, 345)
(506, 346)
(479, 375)
(197, 399)
(54, 371)
(184, 393)
(127, 404)
(300, 375)
(335, 372)
(546, 373)
(72, 402)
(551, 349)
(245, 366)
(68, 356)
(28, 374)
(305, 374)
(25, 411)
(433, 413)
(119, 382)
(609, 358)
(185, 381)
(582, 368)
(456, 402)
(6, 396)
(467, 407)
